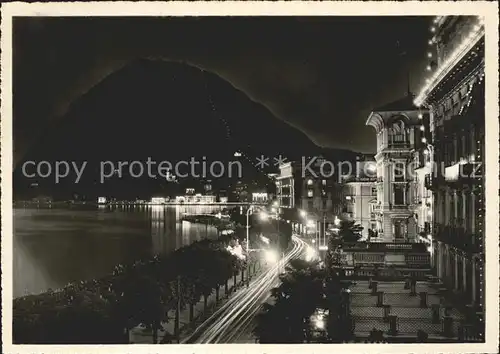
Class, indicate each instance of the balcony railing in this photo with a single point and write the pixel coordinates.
(384, 247)
(463, 174)
(391, 144)
(456, 236)
(432, 182)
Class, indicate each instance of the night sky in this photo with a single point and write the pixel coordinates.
(321, 75)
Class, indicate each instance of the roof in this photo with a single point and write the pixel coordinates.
(403, 104)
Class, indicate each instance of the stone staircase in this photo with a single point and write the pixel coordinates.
(399, 309)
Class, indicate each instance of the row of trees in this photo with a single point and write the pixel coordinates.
(104, 310)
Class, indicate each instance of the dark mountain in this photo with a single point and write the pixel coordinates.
(163, 111)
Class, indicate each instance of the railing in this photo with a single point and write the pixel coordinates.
(432, 182)
(386, 273)
(398, 144)
(456, 236)
(384, 247)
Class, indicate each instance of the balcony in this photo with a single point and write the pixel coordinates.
(398, 145)
(433, 182)
(401, 207)
(463, 174)
(456, 236)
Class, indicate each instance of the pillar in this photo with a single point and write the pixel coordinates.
(440, 260)
(446, 216)
(456, 270)
(464, 275)
(473, 262)
(455, 205)
(463, 213)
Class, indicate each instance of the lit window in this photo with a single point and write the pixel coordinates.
(309, 193)
(324, 182)
(309, 182)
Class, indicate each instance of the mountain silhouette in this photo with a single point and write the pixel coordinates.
(166, 111)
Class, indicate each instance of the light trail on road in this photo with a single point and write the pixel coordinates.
(235, 318)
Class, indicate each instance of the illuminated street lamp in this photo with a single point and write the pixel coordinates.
(303, 213)
(263, 216)
(271, 256)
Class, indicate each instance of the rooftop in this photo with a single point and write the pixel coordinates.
(403, 104)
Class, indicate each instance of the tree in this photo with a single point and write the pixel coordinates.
(349, 231)
(296, 298)
(340, 323)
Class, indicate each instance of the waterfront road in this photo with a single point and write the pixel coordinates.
(235, 320)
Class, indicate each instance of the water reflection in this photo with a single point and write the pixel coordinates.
(52, 247)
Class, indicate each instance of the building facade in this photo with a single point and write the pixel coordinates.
(360, 198)
(454, 94)
(398, 136)
(314, 192)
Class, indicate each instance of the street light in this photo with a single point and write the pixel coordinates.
(271, 256)
(303, 213)
(248, 228)
(263, 216)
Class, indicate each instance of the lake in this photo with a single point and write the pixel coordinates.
(55, 246)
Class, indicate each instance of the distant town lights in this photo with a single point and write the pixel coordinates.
(467, 44)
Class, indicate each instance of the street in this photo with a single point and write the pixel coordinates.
(234, 321)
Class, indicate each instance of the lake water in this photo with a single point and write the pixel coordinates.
(52, 247)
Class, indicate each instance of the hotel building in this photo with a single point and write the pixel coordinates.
(454, 95)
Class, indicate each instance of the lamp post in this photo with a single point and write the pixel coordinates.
(250, 208)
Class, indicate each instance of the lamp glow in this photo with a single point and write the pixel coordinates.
(303, 213)
(263, 216)
(271, 256)
(467, 44)
(310, 253)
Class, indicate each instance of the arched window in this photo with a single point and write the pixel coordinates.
(398, 132)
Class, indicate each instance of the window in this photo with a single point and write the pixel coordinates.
(399, 171)
(309, 193)
(309, 182)
(398, 133)
(324, 182)
(399, 193)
